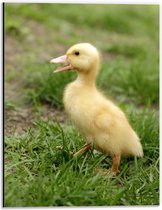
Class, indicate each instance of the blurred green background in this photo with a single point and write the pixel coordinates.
(128, 38)
(126, 35)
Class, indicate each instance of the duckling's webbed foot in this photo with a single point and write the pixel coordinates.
(86, 148)
(114, 169)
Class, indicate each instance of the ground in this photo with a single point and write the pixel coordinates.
(37, 172)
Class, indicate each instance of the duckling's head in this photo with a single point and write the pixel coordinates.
(82, 57)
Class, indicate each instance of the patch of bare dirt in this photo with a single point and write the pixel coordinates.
(20, 119)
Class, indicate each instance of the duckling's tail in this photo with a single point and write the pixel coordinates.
(138, 150)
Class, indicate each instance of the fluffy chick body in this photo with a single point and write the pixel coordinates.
(100, 121)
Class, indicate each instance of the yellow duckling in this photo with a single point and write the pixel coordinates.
(101, 122)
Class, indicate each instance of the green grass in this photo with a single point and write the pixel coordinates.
(129, 45)
(142, 18)
(37, 173)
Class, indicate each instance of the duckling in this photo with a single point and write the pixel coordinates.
(102, 123)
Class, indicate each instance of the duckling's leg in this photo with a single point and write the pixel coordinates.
(83, 150)
(115, 164)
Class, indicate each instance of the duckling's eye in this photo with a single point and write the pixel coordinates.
(77, 53)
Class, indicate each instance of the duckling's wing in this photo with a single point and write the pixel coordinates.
(103, 122)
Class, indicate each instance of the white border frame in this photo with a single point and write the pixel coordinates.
(1, 77)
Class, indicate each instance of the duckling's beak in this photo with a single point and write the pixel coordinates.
(64, 60)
